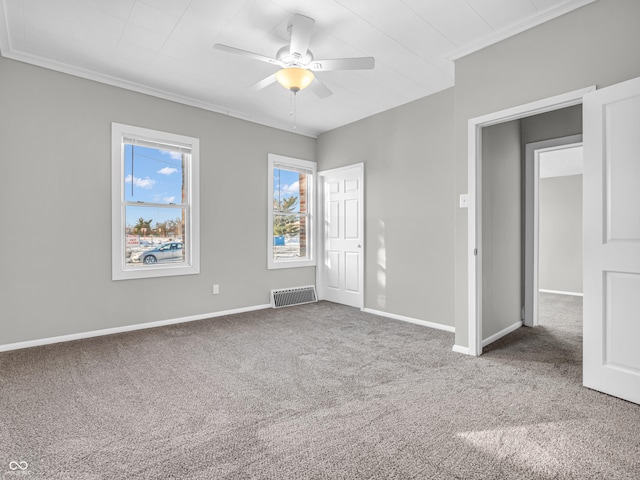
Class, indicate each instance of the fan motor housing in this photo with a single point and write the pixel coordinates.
(294, 60)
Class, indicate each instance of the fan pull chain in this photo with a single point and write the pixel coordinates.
(294, 112)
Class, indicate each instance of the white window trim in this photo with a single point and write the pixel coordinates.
(274, 159)
(118, 244)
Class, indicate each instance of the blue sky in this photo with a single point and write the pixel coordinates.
(156, 178)
(286, 184)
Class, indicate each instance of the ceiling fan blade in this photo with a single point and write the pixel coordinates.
(301, 31)
(360, 63)
(244, 53)
(265, 82)
(320, 89)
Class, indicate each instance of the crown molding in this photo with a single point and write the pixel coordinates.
(61, 67)
(505, 33)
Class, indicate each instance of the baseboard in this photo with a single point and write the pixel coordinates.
(501, 333)
(461, 349)
(559, 292)
(424, 323)
(126, 328)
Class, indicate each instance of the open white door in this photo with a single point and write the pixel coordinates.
(341, 269)
(612, 240)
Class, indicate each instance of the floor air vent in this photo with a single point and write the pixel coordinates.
(286, 297)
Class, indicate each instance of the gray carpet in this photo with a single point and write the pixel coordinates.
(319, 391)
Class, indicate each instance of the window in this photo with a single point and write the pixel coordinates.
(155, 215)
(291, 210)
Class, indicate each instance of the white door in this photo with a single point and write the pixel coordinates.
(612, 240)
(341, 270)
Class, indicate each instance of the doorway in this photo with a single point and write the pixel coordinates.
(340, 272)
(475, 244)
(611, 363)
(553, 222)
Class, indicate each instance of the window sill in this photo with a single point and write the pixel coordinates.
(274, 265)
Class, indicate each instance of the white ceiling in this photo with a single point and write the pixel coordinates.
(164, 48)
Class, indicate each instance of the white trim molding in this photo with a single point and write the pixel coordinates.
(113, 81)
(345, 168)
(560, 292)
(402, 318)
(303, 167)
(501, 333)
(353, 171)
(189, 149)
(474, 217)
(126, 328)
(511, 31)
(460, 349)
(532, 223)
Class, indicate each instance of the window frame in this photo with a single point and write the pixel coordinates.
(295, 164)
(191, 265)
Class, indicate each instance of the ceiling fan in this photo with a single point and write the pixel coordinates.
(297, 62)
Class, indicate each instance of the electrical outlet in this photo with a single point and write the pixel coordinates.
(216, 289)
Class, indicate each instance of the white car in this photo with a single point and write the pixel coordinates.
(166, 251)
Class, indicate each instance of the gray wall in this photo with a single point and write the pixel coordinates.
(55, 185)
(594, 45)
(409, 207)
(503, 212)
(560, 234)
(501, 227)
(54, 140)
(563, 122)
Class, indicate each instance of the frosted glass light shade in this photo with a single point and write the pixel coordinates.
(294, 79)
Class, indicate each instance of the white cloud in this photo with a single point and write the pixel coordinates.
(169, 199)
(293, 189)
(146, 183)
(167, 170)
(173, 155)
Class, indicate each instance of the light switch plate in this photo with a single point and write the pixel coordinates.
(464, 200)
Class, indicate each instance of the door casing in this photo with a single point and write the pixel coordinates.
(474, 219)
(320, 280)
(531, 262)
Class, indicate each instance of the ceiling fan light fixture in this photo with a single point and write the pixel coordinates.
(294, 78)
